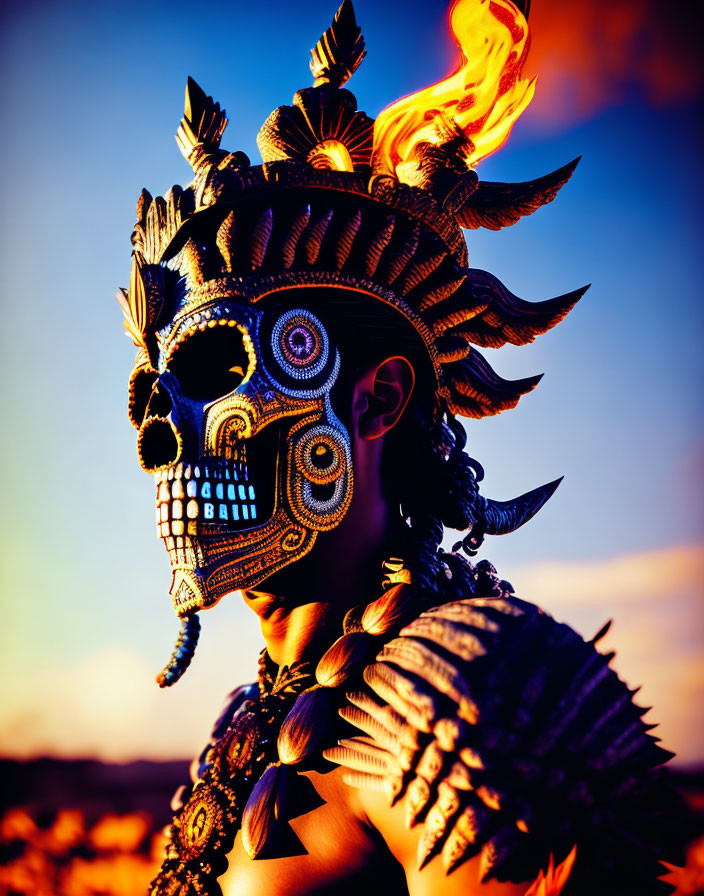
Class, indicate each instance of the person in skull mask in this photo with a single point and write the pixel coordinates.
(306, 333)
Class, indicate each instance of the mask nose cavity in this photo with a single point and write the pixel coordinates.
(158, 444)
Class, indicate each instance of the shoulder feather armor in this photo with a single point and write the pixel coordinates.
(508, 736)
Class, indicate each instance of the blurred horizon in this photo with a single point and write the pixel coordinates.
(93, 96)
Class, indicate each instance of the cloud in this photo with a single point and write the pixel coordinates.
(591, 55)
(614, 581)
(656, 601)
(107, 705)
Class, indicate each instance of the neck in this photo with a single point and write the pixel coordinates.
(302, 607)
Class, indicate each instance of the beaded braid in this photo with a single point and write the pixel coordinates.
(445, 496)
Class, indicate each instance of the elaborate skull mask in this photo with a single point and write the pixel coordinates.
(237, 426)
(231, 396)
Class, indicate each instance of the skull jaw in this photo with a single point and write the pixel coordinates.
(228, 561)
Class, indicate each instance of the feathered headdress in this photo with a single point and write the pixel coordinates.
(376, 207)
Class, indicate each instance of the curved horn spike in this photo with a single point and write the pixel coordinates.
(602, 632)
(203, 123)
(225, 240)
(496, 851)
(497, 205)
(377, 246)
(122, 297)
(454, 850)
(259, 240)
(172, 220)
(154, 227)
(503, 517)
(299, 224)
(346, 239)
(186, 644)
(338, 53)
(435, 827)
(316, 236)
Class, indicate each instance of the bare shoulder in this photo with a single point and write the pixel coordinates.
(491, 744)
(331, 848)
(404, 841)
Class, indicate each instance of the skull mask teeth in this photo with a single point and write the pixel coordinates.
(237, 427)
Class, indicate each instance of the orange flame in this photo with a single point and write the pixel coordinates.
(552, 881)
(482, 99)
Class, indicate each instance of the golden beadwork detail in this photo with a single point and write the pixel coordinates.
(231, 397)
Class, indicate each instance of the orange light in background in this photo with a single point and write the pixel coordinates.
(67, 831)
(483, 98)
(17, 824)
(117, 856)
(121, 833)
(119, 875)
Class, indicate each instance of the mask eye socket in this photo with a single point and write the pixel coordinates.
(141, 388)
(210, 363)
(300, 344)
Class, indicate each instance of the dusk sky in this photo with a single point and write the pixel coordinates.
(92, 95)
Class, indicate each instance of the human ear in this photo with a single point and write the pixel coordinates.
(381, 395)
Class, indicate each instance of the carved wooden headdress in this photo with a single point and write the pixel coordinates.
(377, 207)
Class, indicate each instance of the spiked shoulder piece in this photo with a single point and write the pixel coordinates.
(503, 734)
(506, 735)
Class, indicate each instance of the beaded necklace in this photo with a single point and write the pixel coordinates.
(242, 772)
(270, 738)
(203, 830)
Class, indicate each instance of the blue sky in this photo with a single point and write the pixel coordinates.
(92, 96)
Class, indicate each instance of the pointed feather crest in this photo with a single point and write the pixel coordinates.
(476, 390)
(498, 316)
(134, 304)
(338, 53)
(497, 205)
(203, 123)
(122, 296)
